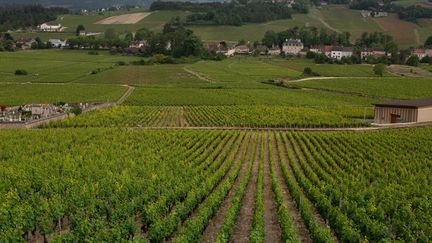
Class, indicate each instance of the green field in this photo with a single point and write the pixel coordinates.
(221, 116)
(149, 185)
(65, 75)
(55, 66)
(397, 88)
(21, 94)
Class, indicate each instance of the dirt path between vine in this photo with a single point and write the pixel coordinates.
(216, 223)
(198, 75)
(240, 141)
(299, 224)
(271, 225)
(243, 223)
(290, 150)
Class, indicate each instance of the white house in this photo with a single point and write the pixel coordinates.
(227, 51)
(419, 52)
(375, 52)
(292, 46)
(57, 43)
(339, 52)
(242, 49)
(274, 51)
(428, 51)
(50, 27)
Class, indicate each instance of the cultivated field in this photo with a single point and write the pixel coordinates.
(124, 19)
(191, 186)
(19, 94)
(390, 88)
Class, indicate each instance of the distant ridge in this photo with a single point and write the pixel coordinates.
(88, 4)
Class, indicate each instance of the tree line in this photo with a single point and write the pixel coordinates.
(22, 16)
(233, 13)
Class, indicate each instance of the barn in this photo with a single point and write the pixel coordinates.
(404, 111)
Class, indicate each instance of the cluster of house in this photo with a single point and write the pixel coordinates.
(422, 52)
(31, 112)
(50, 27)
(295, 47)
(27, 43)
(289, 47)
(373, 14)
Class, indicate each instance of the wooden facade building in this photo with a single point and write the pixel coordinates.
(403, 111)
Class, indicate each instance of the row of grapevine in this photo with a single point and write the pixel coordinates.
(212, 116)
(101, 184)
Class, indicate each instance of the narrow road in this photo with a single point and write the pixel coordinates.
(198, 75)
(126, 94)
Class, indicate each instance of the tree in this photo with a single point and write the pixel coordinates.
(270, 38)
(379, 69)
(428, 41)
(307, 71)
(143, 34)
(413, 61)
(79, 29)
(110, 34)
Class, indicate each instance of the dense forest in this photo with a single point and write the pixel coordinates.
(230, 13)
(21, 16)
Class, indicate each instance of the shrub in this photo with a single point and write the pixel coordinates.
(76, 110)
(21, 72)
(93, 53)
(379, 69)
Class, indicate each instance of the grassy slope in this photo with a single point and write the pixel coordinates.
(19, 94)
(52, 66)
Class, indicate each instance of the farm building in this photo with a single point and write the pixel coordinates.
(292, 46)
(50, 27)
(404, 111)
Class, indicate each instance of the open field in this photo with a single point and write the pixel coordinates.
(178, 186)
(345, 20)
(266, 96)
(21, 94)
(398, 88)
(124, 19)
(56, 66)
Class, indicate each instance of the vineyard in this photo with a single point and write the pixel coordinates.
(99, 184)
(220, 116)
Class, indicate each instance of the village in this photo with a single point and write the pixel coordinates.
(36, 112)
(291, 47)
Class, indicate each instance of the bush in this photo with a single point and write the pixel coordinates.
(413, 61)
(93, 53)
(308, 71)
(76, 110)
(96, 71)
(21, 72)
(121, 63)
(379, 69)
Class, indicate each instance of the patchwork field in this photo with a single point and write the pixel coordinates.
(324, 17)
(178, 186)
(124, 19)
